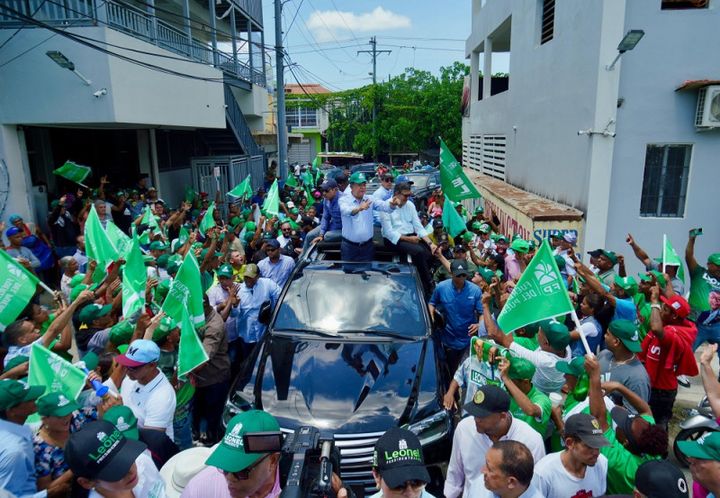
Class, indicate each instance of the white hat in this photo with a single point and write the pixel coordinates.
(182, 467)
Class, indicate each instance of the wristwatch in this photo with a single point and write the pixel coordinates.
(656, 306)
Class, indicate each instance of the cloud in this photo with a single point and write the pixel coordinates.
(326, 24)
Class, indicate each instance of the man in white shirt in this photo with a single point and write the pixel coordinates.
(145, 389)
(579, 471)
(489, 423)
(404, 233)
(507, 473)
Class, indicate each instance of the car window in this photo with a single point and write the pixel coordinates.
(336, 301)
(419, 181)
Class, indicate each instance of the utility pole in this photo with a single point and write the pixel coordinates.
(280, 93)
(374, 52)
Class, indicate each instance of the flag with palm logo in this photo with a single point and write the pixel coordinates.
(17, 288)
(540, 293)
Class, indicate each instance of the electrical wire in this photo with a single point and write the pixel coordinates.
(297, 11)
(22, 27)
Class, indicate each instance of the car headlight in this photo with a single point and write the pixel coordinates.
(432, 428)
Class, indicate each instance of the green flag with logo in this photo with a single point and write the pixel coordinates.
(291, 181)
(98, 245)
(191, 353)
(119, 239)
(73, 172)
(242, 189)
(454, 223)
(670, 257)
(455, 184)
(55, 373)
(17, 288)
(540, 293)
(134, 280)
(186, 293)
(272, 201)
(208, 221)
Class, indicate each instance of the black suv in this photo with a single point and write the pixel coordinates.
(349, 350)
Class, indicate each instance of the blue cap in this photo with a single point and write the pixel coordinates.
(140, 352)
(404, 179)
(15, 217)
(12, 231)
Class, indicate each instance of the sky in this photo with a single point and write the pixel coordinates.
(323, 36)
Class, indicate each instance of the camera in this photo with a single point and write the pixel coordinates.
(306, 463)
(100, 93)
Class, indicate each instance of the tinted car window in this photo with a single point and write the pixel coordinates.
(336, 301)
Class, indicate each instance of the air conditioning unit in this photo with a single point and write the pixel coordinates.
(707, 115)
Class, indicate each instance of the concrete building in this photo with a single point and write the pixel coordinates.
(172, 90)
(619, 143)
(307, 120)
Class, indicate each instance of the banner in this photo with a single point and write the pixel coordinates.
(17, 288)
(540, 293)
(455, 183)
(55, 373)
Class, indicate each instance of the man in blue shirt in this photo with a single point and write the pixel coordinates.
(277, 267)
(252, 294)
(331, 223)
(17, 459)
(356, 210)
(460, 302)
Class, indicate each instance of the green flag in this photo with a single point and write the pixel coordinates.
(272, 201)
(242, 189)
(316, 162)
(309, 197)
(455, 184)
(670, 257)
(17, 288)
(186, 293)
(134, 280)
(191, 353)
(540, 293)
(454, 224)
(291, 181)
(153, 227)
(118, 238)
(207, 221)
(55, 373)
(73, 172)
(97, 243)
(307, 179)
(190, 194)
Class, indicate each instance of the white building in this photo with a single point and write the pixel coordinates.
(620, 144)
(172, 90)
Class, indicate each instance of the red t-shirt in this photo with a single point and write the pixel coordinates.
(670, 356)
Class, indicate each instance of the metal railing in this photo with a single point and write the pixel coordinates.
(239, 125)
(134, 22)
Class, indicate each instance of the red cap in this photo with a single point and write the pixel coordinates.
(678, 304)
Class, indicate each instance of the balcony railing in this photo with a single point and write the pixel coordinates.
(133, 21)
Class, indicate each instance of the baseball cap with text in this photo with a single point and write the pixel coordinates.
(398, 457)
(230, 454)
(140, 352)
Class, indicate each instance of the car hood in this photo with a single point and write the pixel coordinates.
(347, 387)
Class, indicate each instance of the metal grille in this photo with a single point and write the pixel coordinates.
(356, 452)
(547, 21)
(493, 156)
(667, 168)
(702, 95)
(473, 157)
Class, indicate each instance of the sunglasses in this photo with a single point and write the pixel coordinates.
(244, 474)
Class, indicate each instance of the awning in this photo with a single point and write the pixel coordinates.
(695, 85)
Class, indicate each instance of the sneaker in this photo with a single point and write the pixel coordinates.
(683, 380)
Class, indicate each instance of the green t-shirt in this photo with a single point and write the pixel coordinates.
(701, 284)
(622, 464)
(643, 311)
(537, 423)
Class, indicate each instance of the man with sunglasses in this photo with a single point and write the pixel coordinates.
(276, 266)
(398, 466)
(145, 389)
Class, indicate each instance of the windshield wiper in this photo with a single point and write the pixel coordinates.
(385, 333)
(306, 331)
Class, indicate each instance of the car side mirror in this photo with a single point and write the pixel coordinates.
(438, 320)
(265, 313)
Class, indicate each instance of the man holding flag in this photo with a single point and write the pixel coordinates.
(672, 268)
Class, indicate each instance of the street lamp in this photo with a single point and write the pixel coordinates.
(629, 41)
(65, 63)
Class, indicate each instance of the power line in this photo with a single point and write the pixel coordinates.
(297, 11)
(414, 47)
(22, 27)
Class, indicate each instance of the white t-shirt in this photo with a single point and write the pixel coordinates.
(153, 404)
(547, 378)
(468, 452)
(554, 481)
(150, 483)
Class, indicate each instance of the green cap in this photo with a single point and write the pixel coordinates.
(486, 274)
(91, 360)
(714, 258)
(468, 236)
(12, 393)
(555, 235)
(575, 367)
(204, 252)
(225, 271)
(173, 265)
(521, 246)
(484, 228)
(250, 226)
(611, 256)
(235, 220)
(77, 279)
(479, 210)
(162, 260)
(54, 204)
(92, 312)
(166, 326)
(521, 369)
(557, 333)
(158, 246)
(122, 348)
(627, 332)
(121, 332)
(230, 454)
(162, 289)
(476, 225)
(55, 405)
(647, 277)
(75, 292)
(357, 177)
(124, 420)
(628, 284)
(706, 447)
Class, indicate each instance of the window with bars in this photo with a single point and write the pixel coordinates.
(667, 168)
(547, 21)
(301, 117)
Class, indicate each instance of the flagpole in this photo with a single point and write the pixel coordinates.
(45, 287)
(582, 336)
(664, 254)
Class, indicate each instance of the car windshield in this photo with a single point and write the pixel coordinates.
(420, 181)
(353, 299)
